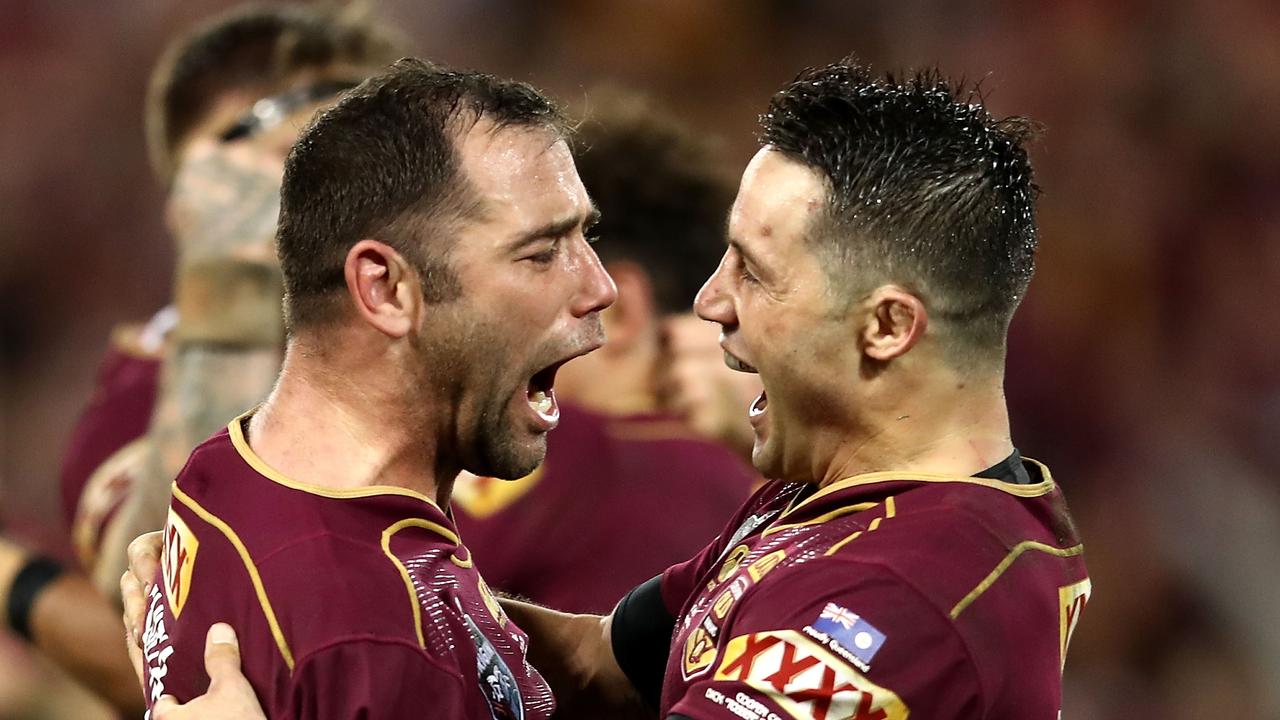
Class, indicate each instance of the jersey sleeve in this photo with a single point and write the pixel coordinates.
(371, 679)
(835, 639)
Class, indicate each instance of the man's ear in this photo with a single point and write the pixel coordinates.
(896, 321)
(635, 309)
(381, 286)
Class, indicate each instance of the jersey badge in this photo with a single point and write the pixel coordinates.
(496, 680)
(177, 562)
(805, 680)
(847, 634)
(1071, 601)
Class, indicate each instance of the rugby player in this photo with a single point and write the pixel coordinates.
(437, 275)
(907, 559)
(565, 535)
(224, 105)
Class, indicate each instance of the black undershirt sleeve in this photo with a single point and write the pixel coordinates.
(641, 637)
(679, 717)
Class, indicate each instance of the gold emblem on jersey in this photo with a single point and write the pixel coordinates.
(699, 652)
(177, 562)
(731, 562)
(764, 564)
(1071, 602)
(491, 603)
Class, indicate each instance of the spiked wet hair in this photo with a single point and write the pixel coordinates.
(925, 189)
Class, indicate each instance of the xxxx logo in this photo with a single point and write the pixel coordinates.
(1071, 603)
(177, 562)
(806, 680)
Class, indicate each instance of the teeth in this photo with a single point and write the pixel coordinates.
(758, 407)
(736, 364)
(541, 402)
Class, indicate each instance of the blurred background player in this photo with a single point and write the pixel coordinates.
(224, 105)
(566, 535)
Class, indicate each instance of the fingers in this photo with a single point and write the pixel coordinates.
(165, 707)
(222, 656)
(144, 558)
(134, 616)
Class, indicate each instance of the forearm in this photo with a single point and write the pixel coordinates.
(77, 628)
(575, 655)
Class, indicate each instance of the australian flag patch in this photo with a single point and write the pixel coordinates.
(848, 634)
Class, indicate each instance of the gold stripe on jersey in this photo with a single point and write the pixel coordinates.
(249, 566)
(1026, 491)
(1017, 551)
(890, 509)
(838, 512)
(414, 603)
(236, 431)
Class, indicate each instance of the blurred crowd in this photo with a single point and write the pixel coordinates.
(1143, 365)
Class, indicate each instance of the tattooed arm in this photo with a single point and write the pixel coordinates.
(225, 351)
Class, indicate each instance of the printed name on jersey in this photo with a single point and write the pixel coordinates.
(804, 679)
(1071, 603)
(741, 705)
(156, 647)
(177, 562)
(847, 634)
(496, 679)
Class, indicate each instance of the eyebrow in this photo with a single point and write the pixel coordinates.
(558, 228)
(747, 255)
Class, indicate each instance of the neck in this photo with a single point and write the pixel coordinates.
(333, 423)
(943, 425)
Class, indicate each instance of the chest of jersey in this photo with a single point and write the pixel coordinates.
(458, 616)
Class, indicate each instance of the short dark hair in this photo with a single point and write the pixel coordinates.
(384, 163)
(662, 198)
(260, 51)
(926, 189)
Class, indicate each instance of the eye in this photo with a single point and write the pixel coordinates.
(546, 256)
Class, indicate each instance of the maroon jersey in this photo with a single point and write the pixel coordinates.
(878, 597)
(348, 603)
(102, 457)
(596, 518)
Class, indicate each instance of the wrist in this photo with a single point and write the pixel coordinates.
(23, 577)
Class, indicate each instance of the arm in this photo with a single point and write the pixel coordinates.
(225, 351)
(575, 655)
(71, 623)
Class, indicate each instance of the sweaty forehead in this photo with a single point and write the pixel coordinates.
(522, 169)
(777, 198)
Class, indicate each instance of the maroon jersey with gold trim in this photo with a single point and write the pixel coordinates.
(878, 597)
(348, 604)
(595, 519)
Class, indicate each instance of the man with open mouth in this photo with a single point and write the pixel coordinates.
(437, 274)
(906, 560)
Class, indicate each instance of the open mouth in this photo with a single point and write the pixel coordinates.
(759, 406)
(541, 394)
